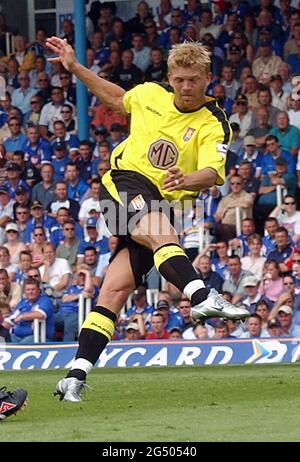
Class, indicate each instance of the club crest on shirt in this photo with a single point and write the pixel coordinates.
(188, 134)
(138, 202)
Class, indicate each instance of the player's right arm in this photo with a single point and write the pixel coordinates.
(110, 94)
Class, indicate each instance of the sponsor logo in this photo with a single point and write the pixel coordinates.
(163, 154)
(148, 108)
(6, 406)
(188, 134)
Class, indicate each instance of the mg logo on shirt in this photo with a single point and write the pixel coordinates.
(163, 154)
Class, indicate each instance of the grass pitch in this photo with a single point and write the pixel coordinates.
(219, 403)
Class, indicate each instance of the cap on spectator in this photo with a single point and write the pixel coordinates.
(285, 309)
(249, 140)
(115, 127)
(36, 205)
(13, 166)
(280, 161)
(20, 190)
(265, 43)
(100, 130)
(250, 281)
(276, 77)
(4, 189)
(241, 99)
(11, 227)
(91, 222)
(141, 290)
(162, 304)
(234, 49)
(59, 145)
(132, 326)
(273, 323)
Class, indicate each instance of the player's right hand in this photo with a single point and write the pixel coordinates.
(66, 54)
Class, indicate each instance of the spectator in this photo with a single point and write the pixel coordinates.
(68, 247)
(251, 297)
(76, 186)
(236, 280)
(266, 60)
(66, 318)
(262, 309)
(69, 119)
(21, 96)
(51, 112)
(274, 328)
(288, 135)
(171, 319)
(10, 292)
(283, 250)
(272, 285)
(226, 215)
(16, 139)
(261, 130)
(243, 116)
(38, 218)
(55, 272)
(36, 247)
(254, 327)
(13, 244)
(157, 325)
(62, 201)
(43, 192)
(254, 262)
(34, 305)
(279, 96)
(6, 211)
(288, 216)
(157, 70)
(36, 149)
(267, 199)
(210, 278)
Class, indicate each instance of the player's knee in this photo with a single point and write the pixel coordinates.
(115, 297)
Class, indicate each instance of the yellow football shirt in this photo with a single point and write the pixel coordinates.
(161, 136)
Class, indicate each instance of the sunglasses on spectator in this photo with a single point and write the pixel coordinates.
(296, 260)
(11, 231)
(288, 283)
(38, 235)
(289, 203)
(22, 213)
(34, 102)
(64, 77)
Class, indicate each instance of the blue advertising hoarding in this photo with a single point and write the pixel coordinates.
(155, 353)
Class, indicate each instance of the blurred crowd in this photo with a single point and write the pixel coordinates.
(54, 244)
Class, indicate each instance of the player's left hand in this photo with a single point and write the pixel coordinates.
(174, 179)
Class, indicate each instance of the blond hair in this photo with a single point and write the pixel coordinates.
(189, 54)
